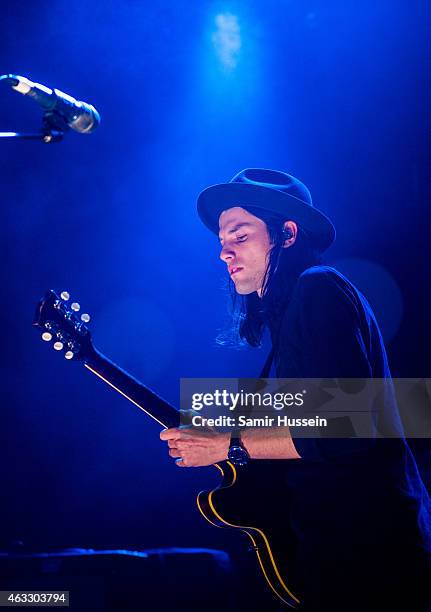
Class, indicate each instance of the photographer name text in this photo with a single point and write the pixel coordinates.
(266, 421)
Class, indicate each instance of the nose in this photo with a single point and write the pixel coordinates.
(226, 254)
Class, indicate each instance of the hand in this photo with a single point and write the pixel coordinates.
(192, 447)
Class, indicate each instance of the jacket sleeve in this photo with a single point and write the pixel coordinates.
(324, 334)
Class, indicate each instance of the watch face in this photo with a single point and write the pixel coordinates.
(238, 455)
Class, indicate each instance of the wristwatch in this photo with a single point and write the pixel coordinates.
(237, 452)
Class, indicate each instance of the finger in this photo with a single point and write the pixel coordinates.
(182, 445)
(181, 462)
(174, 452)
(169, 434)
(178, 443)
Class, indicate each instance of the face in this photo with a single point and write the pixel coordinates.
(245, 249)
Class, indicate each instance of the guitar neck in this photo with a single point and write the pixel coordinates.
(133, 390)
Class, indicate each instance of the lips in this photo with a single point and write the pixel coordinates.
(234, 269)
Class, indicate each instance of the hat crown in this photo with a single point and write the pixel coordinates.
(274, 179)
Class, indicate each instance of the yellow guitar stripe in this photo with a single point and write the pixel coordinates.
(244, 528)
(253, 541)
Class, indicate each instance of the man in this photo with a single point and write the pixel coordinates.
(357, 507)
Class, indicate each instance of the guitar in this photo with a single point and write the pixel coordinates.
(241, 501)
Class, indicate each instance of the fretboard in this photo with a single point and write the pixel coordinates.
(133, 390)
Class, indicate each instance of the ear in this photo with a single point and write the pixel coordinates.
(290, 232)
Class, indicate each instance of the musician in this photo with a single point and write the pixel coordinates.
(357, 508)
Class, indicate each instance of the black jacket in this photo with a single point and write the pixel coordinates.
(357, 508)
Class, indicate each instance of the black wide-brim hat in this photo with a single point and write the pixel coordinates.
(269, 190)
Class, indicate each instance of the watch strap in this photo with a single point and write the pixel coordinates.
(235, 438)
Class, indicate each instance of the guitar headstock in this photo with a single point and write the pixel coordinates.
(62, 324)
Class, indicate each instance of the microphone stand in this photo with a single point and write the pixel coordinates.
(54, 128)
(46, 137)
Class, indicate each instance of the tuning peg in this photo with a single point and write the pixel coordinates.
(73, 346)
(46, 336)
(85, 317)
(68, 354)
(58, 346)
(51, 326)
(75, 306)
(65, 295)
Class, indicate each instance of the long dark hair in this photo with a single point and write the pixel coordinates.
(250, 313)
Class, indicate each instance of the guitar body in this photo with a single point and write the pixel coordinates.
(251, 499)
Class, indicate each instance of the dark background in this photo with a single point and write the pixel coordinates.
(336, 93)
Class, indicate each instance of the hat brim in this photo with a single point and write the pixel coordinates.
(217, 198)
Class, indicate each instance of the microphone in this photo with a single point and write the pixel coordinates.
(59, 106)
